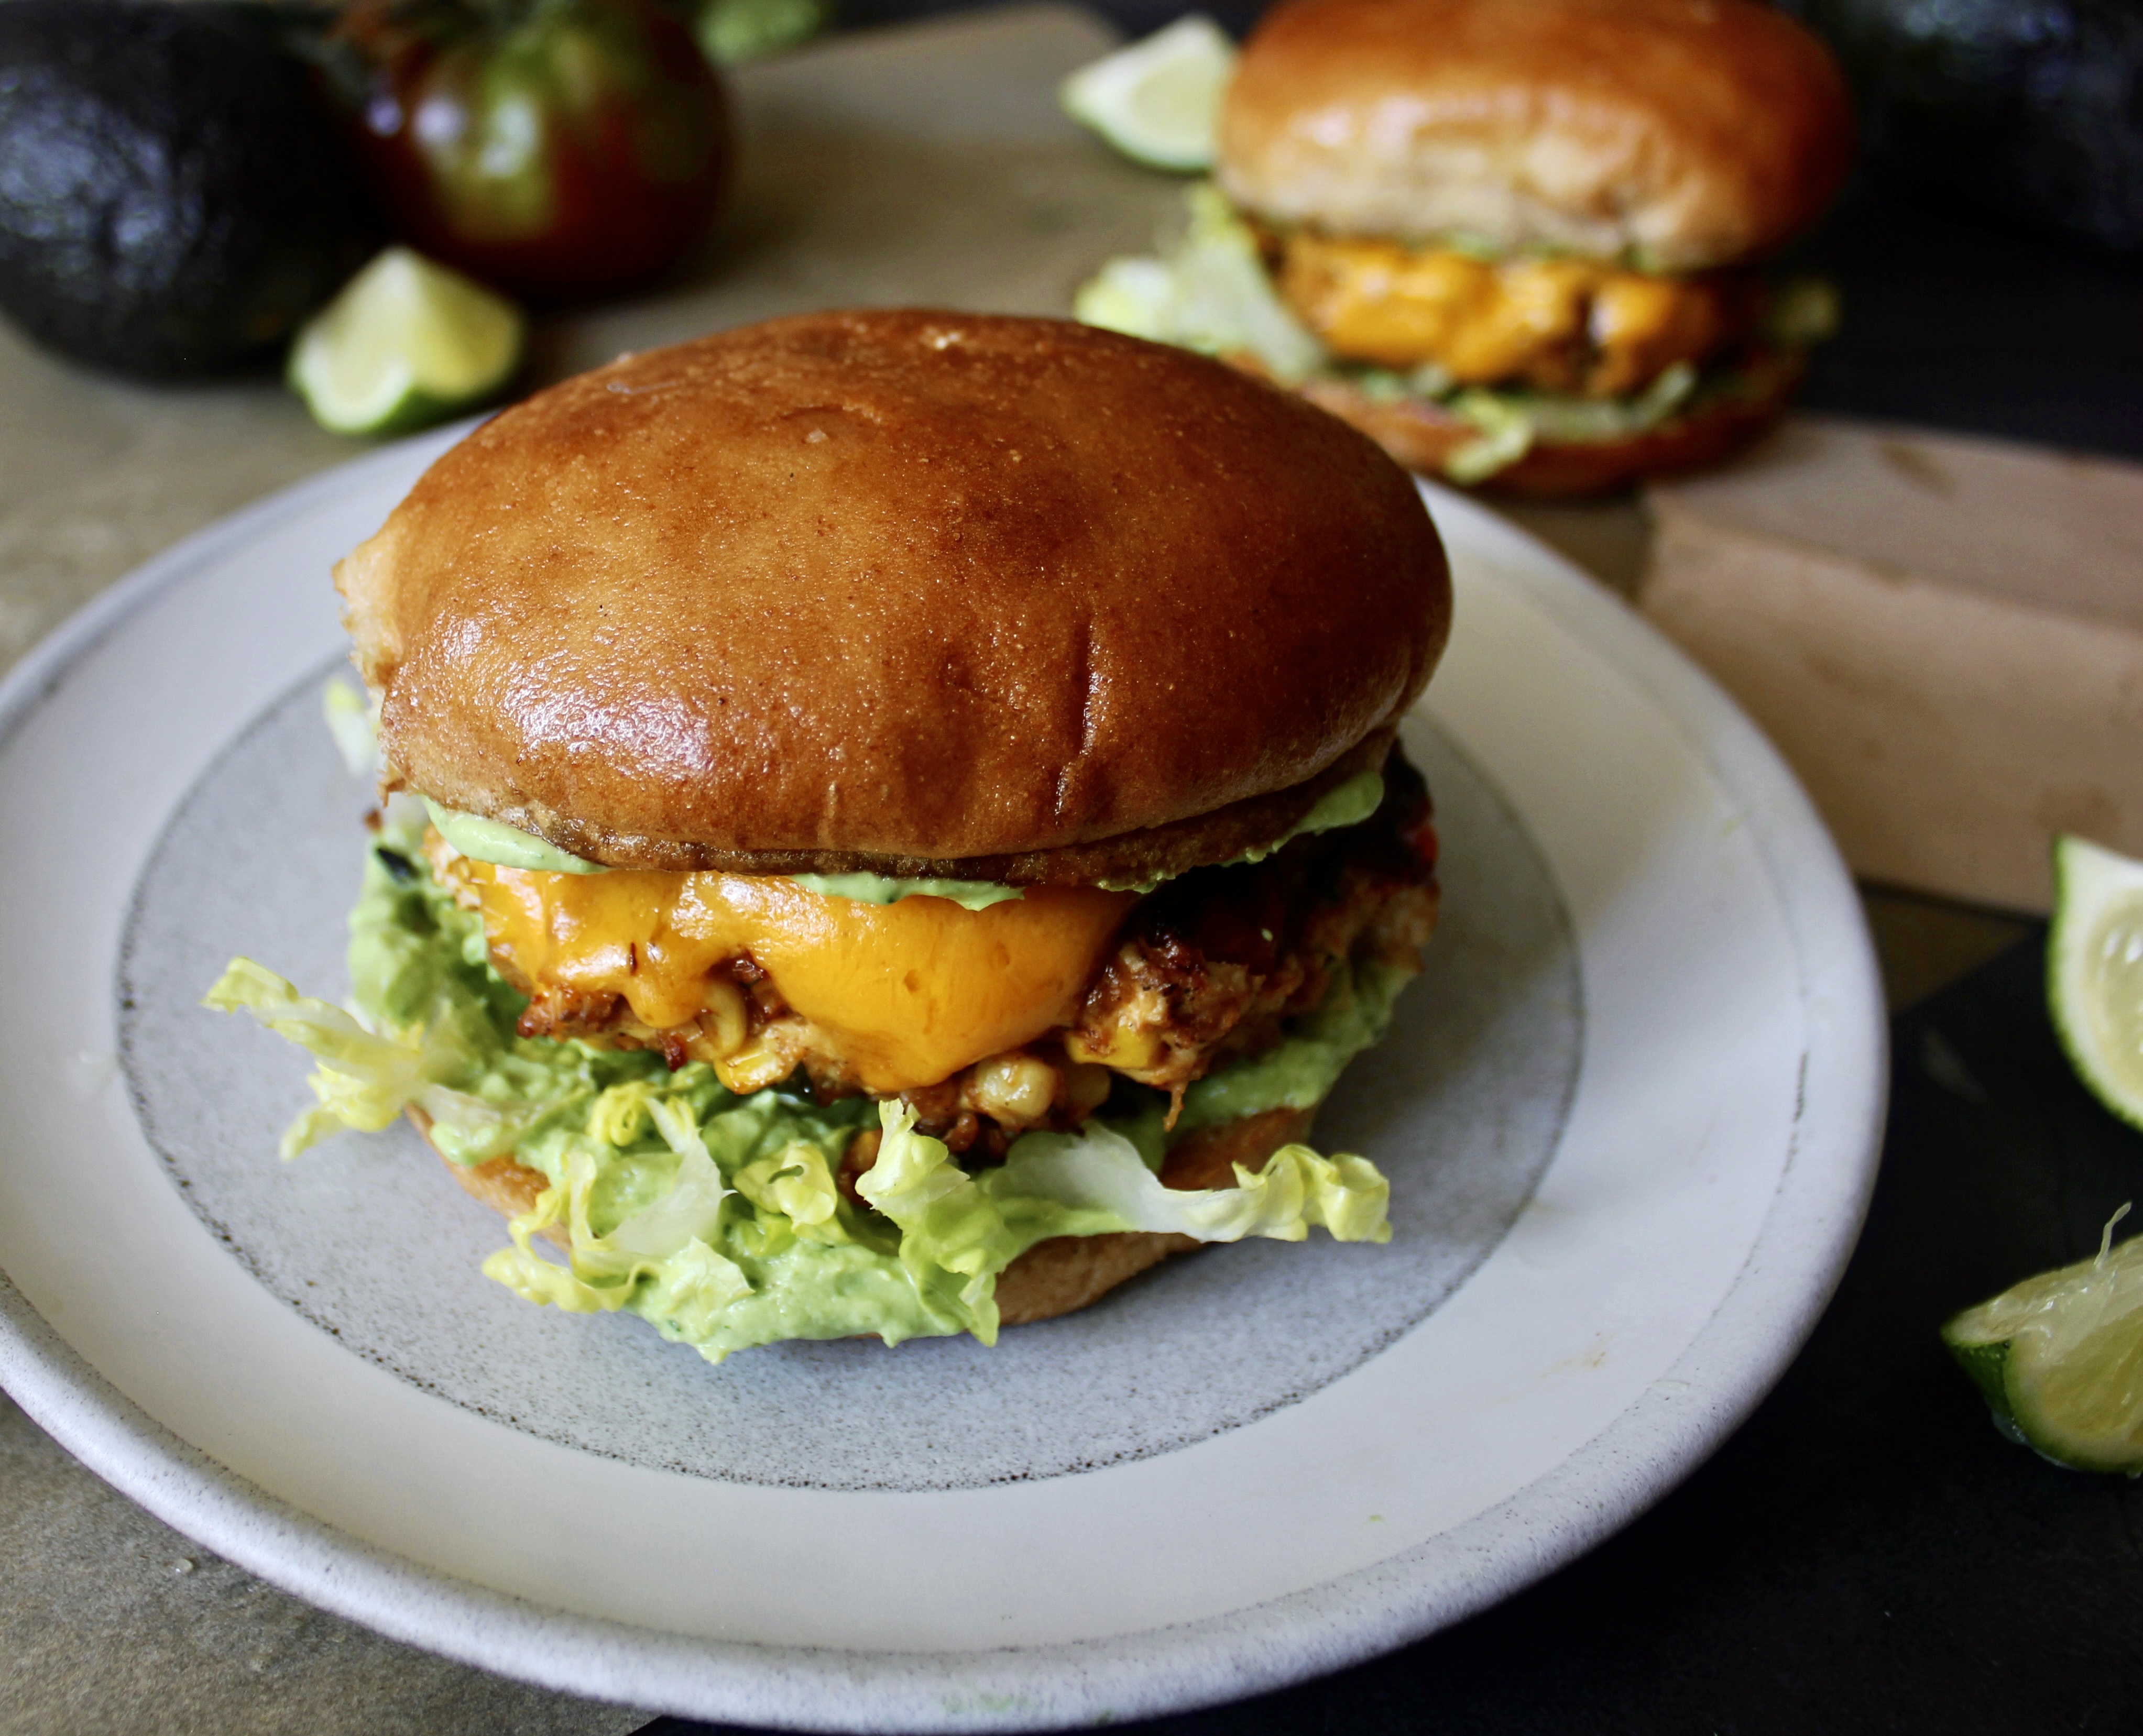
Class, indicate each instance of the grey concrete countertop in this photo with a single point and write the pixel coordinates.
(921, 164)
(111, 1621)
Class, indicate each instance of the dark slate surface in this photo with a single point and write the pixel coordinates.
(1867, 1554)
(1954, 322)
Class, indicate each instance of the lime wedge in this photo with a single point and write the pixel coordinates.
(1158, 101)
(733, 32)
(2060, 1358)
(2095, 971)
(407, 343)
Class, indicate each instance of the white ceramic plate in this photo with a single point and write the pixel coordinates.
(1631, 1113)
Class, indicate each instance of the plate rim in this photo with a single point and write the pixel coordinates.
(1757, 1328)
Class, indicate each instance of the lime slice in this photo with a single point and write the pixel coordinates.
(1158, 101)
(2095, 971)
(733, 32)
(406, 342)
(2060, 1358)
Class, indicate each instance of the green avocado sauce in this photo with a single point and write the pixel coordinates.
(494, 841)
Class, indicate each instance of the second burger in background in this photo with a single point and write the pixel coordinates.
(1517, 241)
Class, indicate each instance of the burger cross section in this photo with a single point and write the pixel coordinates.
(912, 823)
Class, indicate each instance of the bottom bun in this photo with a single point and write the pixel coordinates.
(1052, 1278)
(1423, 435)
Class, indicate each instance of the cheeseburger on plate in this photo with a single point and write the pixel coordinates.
(894, 823)
(1517, 241)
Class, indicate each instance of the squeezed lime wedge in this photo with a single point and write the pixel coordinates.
(406, 344)
(2095, 971)
(1158, 101)
(2060, 1358)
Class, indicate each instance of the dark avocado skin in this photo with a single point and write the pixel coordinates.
(2031, 109)
(173, 202)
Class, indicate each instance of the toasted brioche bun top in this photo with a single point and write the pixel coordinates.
(1683, 133)
(909, 591)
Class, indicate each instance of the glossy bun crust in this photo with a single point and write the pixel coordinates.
(1686, 133)
(1422, 434)
(1052, 1278)
(905, 590)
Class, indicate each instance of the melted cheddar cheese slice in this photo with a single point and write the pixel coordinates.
(1561, 324)
(907, 993)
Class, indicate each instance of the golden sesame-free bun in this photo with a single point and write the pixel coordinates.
(1423, 435)
(911, 592)
(1684, 133)
(1051, 1278)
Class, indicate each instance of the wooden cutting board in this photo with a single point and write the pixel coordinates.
(1943, 635)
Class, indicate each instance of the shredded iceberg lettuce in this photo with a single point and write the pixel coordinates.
(1095, 1180)
(958, 1231)
(1510, 421)
(1212, 293)
(717, 1217)
(364, 1080)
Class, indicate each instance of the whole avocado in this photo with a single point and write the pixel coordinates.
(2032, 111)
(173, 202)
